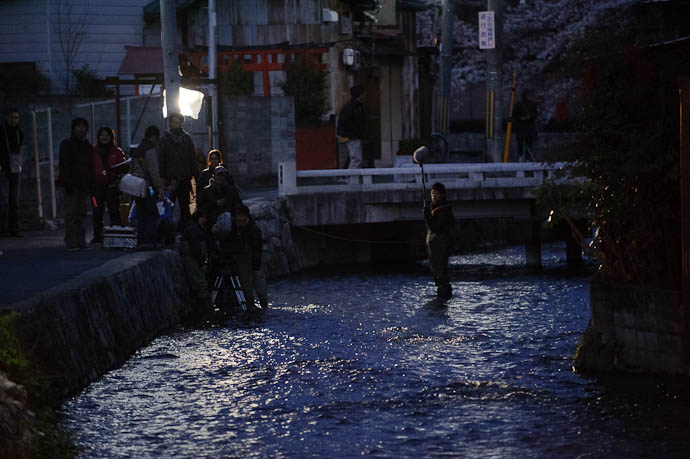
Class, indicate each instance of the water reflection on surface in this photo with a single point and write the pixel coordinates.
(363, 363)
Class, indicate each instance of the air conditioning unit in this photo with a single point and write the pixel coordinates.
(328, 15)
(350, 57)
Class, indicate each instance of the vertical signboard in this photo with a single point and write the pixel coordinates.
(487, 34)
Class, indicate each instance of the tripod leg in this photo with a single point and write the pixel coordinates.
(216, 288)
(239, 293)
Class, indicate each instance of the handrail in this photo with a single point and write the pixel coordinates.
(433, 169)
(455, 175)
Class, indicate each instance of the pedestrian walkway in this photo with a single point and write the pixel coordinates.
(40, 261)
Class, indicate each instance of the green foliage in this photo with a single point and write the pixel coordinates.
(308, 87)
(237, 81)
(11, 360)
(628, 152)
(50, 438)
(89, 84)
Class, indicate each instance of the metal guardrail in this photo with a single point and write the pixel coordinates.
(465, 175)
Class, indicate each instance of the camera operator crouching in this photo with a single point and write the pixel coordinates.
(237, 250)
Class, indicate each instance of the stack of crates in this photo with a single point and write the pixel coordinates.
(120, 237)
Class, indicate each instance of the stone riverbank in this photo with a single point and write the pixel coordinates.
(77, 330)
(634, 329)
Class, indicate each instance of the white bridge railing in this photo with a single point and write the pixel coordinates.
(466, 175)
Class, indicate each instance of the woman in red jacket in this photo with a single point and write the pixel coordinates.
(105, 192)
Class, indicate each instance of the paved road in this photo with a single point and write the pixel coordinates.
(255, 194)
(39, 261)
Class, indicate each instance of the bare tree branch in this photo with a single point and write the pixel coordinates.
(71, 33)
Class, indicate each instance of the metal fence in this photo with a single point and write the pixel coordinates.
(472, 175)
(52, 124)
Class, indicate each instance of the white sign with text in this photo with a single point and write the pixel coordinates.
(487, 35)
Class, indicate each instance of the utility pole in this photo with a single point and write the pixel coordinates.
(443, 96)
(684, 201)
(495, 138)
(212, 74)
(171, 60)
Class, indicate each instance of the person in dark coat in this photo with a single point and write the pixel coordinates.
(178, 164)
(219, 196)
(352, 126)
(11, 140)
(215, 159)
(145, 165)
(75, 171)
(524, 118)
(194, 253)
(439, 223)
(243, 245)
(105, 190)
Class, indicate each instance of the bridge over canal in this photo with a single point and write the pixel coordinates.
(382, 206)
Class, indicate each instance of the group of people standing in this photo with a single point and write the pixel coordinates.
(167, 162)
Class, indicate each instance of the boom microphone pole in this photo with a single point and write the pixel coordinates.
(420, 155)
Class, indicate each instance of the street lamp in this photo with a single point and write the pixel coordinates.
(189, 101)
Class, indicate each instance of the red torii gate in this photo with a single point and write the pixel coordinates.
(261, 60)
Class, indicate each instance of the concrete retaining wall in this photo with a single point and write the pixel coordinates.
(259, 133)
(77, 331)
(634, 329)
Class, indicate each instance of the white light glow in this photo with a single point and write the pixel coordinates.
(190, 103)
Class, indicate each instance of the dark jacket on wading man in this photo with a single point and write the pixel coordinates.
(439, 223)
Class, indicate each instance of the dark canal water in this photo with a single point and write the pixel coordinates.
(359, 364)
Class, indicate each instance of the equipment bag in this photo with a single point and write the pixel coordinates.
(133, 185)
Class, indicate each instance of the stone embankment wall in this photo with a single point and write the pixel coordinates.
(634, 329)
(77, 331)
(280, 255)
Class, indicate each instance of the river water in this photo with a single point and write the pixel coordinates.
(360, 363)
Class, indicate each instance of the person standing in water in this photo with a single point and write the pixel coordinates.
(439, 223)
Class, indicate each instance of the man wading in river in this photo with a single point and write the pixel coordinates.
(439, 223)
